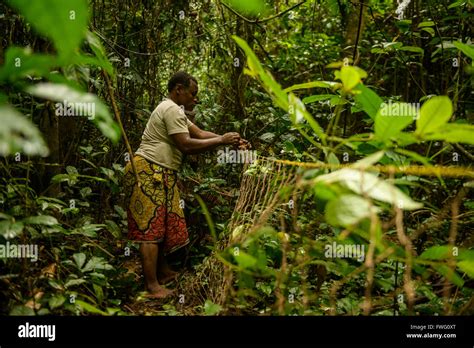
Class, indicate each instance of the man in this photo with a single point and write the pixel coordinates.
(155, 215)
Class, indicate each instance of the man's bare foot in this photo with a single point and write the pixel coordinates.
(157, 291)
(165, 277)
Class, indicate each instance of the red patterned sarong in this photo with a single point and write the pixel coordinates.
(154, 210)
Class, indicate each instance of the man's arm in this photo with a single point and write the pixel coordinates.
(197, 133)
(188, 145)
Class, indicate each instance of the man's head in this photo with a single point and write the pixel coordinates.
(183, 89)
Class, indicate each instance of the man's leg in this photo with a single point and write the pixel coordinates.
(164, 272)
(149, 255)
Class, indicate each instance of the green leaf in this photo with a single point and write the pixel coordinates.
(40, 220)
(438, 252)
(364, 183)
(96, 263)
(74, 282)
(113, 228)
(80, 259)
(18, 134)
(22, 311)
(9, 229)
(350, 77)
(332, 159)
(429, 31)
(83, 103)
(20, 62)
(254, 8)
(426, 24)
(452, 276)
(313, 84)
(211, 308)
(298, 112)
(457, 4)
(453, 133)
(245, 260)
(65, 23)
(100, 53)
(89, 230)
(315, 98)
(467, 266)
(56, 301)
(369, 100)
(89, 308)
(369, 160)
(433, 114)
(348, 210)
(392, 118)
(468, 50)
(412, 49)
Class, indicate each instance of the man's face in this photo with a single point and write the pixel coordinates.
(188, 95)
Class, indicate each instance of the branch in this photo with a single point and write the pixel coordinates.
(117, 116)
(464, 151)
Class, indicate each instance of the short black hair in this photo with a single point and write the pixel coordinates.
(180, 77)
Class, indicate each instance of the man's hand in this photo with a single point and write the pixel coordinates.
(231, 138)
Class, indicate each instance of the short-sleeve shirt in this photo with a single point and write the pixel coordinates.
(157, 145)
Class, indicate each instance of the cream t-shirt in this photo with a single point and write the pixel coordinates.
(157, 145)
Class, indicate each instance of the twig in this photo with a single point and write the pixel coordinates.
(117, 116)
(464, 151)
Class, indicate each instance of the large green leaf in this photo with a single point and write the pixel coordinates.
(313, 84)
(64, 22)
(101, 54)
(18, 134)
(365, 183)
(245, 260)
(467, 266)
(433, 114)
(437, 252)
(21, 62)
(452, 276)
(368, 99)
(392, 118)
(466, 49)
(40, 220)
(347, 210)
(87, 101)
(453, 133)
